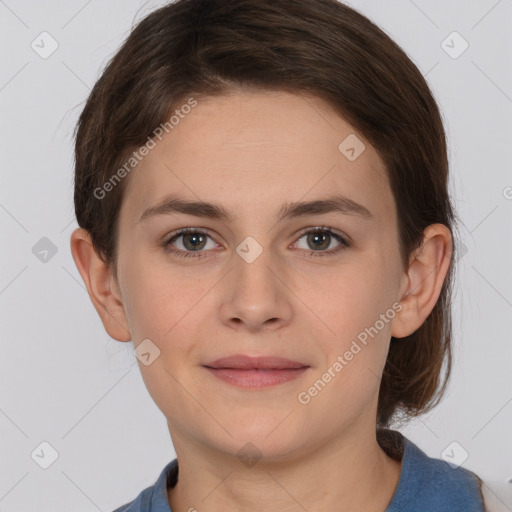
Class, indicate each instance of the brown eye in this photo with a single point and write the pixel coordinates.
(319, 239)
(192, 241)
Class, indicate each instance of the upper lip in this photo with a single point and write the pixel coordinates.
(243, 362)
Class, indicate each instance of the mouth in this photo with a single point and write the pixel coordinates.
(255, 372)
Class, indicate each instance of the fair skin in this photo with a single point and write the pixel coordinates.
(253, 152)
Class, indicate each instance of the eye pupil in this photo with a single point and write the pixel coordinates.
(195, 236)
(320, 237)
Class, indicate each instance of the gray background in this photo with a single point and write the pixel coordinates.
(65, 382)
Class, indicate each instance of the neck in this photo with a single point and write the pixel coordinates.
(341, 475)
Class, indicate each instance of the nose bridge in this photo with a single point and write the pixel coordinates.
(254, 260)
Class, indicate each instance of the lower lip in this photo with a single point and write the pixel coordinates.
(257, 378)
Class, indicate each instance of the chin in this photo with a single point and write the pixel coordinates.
(268, 436)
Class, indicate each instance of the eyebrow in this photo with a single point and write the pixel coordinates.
(175, 204)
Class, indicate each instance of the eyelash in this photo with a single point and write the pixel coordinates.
(198, 254)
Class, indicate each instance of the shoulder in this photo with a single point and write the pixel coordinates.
(154, 497)
(141, 503)
(428, 484)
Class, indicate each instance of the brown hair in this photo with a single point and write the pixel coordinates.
(320, 47)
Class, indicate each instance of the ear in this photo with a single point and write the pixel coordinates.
(423, 280)
(102, 287)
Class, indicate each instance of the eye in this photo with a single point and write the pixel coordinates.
(194, 240)
(321, 238)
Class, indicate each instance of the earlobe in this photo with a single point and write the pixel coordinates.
(425, 276)
(97, 279)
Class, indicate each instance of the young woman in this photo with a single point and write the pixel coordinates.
(261, 190)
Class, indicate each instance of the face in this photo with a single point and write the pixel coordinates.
(309, 286)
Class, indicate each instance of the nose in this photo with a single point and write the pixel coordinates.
(256, 295)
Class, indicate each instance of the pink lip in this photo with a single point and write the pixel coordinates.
(243, 362)
(255, 372)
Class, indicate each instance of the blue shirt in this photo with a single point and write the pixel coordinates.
(425, 485)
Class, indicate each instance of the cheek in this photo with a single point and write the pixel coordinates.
(154, 298)
(170, 310)
(161, 310)
(351, 299)
(356, 310)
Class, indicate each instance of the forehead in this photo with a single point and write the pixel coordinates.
(255, 151)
